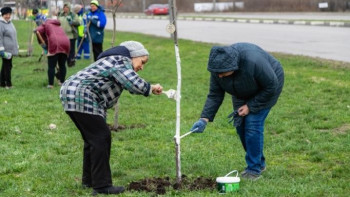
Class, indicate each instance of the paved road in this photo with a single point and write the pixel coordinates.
(336, 16)
(315, 41)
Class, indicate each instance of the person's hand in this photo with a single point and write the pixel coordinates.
(7, 55)
(243, 110)
(43, 45)
(157, 89)
(199, 126)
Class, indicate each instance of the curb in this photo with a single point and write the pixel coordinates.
(254, 21)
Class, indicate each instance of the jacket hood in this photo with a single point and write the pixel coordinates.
(81, 12)
(118, 50)
(223, 59)
(67, 4)
(53, 22)
(4, 21)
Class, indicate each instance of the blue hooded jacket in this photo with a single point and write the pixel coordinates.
(97, 25)
(257, 80)
(40, 19)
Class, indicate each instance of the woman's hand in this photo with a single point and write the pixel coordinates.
(157, 89)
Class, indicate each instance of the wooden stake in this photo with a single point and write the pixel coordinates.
(40, 38)
(82, 40)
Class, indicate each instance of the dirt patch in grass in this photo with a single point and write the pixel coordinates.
(160, 186)
(123, 127)
(342, 129)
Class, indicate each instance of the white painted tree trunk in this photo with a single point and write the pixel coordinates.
(178, 116)
(172, 15)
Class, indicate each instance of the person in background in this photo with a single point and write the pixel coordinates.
(96, 23)
(69, 22)
(56, 45)
(255, 80)
(38, 17)
(83, 40)
(54, 13)
(88, 94)
(8, 46)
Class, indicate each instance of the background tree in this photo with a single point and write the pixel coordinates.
(115, 5)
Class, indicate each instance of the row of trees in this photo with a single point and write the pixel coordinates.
(188, 5)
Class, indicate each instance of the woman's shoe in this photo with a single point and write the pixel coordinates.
(109, 190)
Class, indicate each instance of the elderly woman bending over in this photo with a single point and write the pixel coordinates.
(88, 94)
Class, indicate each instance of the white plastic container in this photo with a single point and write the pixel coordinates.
(228, 184)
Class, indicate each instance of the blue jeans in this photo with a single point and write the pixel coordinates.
(251, 133)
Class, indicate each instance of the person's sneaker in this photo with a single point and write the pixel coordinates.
(262, 169)
(49, 86)
(108, 190)
(250, 176)
(71, 63)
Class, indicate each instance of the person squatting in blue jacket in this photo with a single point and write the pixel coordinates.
(255, 80)
(83, 44)
(96, 21)
(38, 17)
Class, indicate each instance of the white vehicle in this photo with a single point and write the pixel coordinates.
(11, 4)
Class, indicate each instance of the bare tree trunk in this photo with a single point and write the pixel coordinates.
(114, 28)
(143, 5)
(114, 11)
(116, 107)
(214, 5)
(31, 38)
(116, 116)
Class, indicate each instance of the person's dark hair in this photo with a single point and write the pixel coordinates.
(5, 10)
(35, 11)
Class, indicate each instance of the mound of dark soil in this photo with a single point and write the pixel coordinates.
(161, 185)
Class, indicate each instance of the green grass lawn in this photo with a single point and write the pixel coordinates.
(307, 134)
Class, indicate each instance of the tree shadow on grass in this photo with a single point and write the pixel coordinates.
(125, 127)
